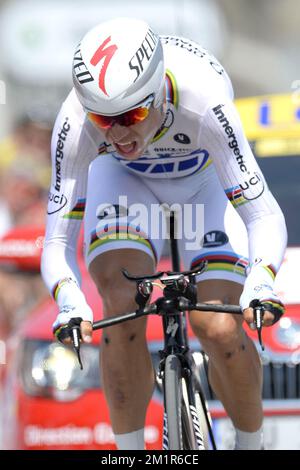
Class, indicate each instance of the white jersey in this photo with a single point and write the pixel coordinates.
(201, 133)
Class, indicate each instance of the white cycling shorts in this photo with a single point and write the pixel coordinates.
(124, 210)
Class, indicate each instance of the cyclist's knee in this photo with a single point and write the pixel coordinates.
(106, 271)
(216, 328)
(117, 295)
(117, 292)
(219, 330)
(118, 298)
(116, 303)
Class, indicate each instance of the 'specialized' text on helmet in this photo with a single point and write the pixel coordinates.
(117, 65)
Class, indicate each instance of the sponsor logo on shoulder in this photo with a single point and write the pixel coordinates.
(253, 185)
(56, 202)
(232, 141)
(59, 153)
(182, 138)
(214, 238)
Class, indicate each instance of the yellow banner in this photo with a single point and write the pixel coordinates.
(271, 116)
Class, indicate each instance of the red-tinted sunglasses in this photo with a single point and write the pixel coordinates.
(131, 117)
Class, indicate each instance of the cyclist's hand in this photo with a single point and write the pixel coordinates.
(259, 288)
(274, 308)
(65, 316)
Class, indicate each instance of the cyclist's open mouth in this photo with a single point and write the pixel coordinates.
(126, 149)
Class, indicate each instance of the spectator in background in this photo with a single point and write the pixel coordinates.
(20, 292)
(24, 181)
(24, 173)
(21, 285)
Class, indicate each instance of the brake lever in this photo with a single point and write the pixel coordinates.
(258, 321)
(74, 326)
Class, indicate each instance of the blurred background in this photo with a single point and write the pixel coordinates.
(257, 41)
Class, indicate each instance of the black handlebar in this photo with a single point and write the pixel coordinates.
(179, 295)
(152, 309)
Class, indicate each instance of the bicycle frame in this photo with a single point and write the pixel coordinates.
(176, 343)
(174, 326)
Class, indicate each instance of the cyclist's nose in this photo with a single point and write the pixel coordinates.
(117, 132)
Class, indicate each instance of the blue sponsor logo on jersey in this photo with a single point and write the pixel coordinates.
(161, 164)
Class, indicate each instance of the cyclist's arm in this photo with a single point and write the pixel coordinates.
(246, 188)
(71, 156)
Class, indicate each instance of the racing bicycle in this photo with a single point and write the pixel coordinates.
(187, 422)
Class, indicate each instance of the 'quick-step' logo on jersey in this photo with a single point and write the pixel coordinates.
(59, 154)
(143, 54)
(232, 141)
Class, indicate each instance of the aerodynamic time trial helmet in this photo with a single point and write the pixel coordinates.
(117, 65)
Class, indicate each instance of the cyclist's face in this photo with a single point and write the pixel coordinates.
(132, 141)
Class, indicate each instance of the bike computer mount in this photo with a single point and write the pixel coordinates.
(175, 283)
(167, 277)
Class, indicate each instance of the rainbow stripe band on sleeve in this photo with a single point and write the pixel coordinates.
(172, 88)
(59, 284)
(119, 233)
(270, 270)
(222, 261)
(235, 196)
(77, 212)
(172, 97)
(277, 305)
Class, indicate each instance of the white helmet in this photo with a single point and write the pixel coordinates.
(117, 65)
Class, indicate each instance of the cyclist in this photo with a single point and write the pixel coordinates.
(151, 120)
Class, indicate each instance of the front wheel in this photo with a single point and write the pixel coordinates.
(179, 432)
(202, 415)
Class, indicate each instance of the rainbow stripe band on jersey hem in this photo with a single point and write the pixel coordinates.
(123, 233)
(222, 261)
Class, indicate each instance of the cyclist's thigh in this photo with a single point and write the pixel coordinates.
(118, 294)
(106, 271)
